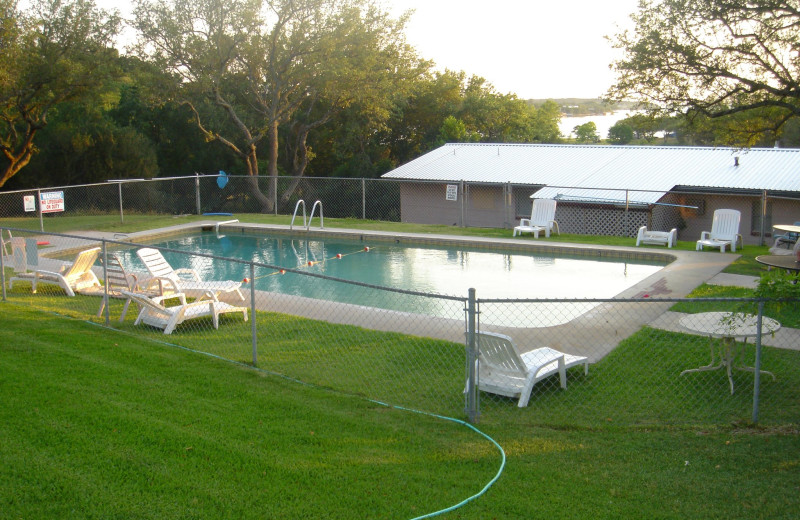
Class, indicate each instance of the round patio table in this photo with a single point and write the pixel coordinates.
(726, 327)
(787, 228)
(787, 262)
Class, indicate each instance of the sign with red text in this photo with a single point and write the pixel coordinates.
(30, 202)
(51, 201)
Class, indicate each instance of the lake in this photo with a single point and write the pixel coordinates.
(603, 122)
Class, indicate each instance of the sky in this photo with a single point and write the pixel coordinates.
(532, 48)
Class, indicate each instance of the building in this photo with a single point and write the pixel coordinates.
(608, 190)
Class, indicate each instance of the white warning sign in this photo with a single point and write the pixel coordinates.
(51, 201)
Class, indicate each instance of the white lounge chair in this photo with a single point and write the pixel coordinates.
(660, 238)
(153, 312)
(117, 279)
(504, 371)
(724, 231)
(73, 277)
(3, 242)
(543, 215)
(185, 281)
(19, 260)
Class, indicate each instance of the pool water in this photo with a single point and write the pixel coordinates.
(445, 271)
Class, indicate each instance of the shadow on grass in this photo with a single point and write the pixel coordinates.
(639, 383)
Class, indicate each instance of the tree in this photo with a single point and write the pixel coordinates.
(453, 131)
(620, 133)
(59, 51)
(266, 66)
(714, 58)
(644, 126)
(586, 133)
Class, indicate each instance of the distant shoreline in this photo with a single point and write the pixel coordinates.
(589, 107)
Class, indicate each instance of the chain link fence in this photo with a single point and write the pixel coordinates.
(592, 211)
(631, 361)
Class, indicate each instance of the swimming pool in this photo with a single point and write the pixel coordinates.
(440, 270)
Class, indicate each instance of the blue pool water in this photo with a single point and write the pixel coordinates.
(446, 271)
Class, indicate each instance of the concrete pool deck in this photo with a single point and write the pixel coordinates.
(594, 334)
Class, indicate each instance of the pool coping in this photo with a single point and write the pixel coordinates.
(593, 334)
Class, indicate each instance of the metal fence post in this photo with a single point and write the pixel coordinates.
(463, 205)
(39, 205)
(763, 229)
(253, 312)
(105, 283)
(2, 265)
(121, 217)
(197, 191)
(757, 371)
(627, 222)
(274, 181)
(471, 397)
(363, 199)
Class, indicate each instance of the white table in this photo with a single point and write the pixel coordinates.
(727, 327)
(787, 228)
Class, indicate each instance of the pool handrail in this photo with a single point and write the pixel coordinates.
(216, 228)
(296, 207)
(307, 223)
(321, 219)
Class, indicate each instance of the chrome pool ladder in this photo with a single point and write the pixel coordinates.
(307, 224)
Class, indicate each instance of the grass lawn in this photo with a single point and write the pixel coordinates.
(102, 423)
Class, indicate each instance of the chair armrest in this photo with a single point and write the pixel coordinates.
(704, 235)
(208, 296)
(524, 222)
(163, 285)
(132, 280)
(201, 303)
(673, 237)
(44, 272)
(558, 359)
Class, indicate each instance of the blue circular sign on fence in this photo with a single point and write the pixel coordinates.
(222, 179)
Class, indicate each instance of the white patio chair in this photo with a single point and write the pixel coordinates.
(185, 281)
(724, 231)
(543, 213)
(117, 279)
(504, 371)
(73, 277)
(153, 312)
(659, 238)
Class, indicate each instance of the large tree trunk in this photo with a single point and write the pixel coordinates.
(299, 153)
(272, 164)
(17, 160)
(264, 202)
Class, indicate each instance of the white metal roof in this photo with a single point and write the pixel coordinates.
(653, 168)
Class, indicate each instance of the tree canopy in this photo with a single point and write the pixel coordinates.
(56, 53)
(586, 133)
(258, 87)
(261, 64)
(714, 58)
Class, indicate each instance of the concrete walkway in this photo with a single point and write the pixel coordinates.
(786, 338)
(737, 280)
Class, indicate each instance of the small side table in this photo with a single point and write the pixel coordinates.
(727, 327)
